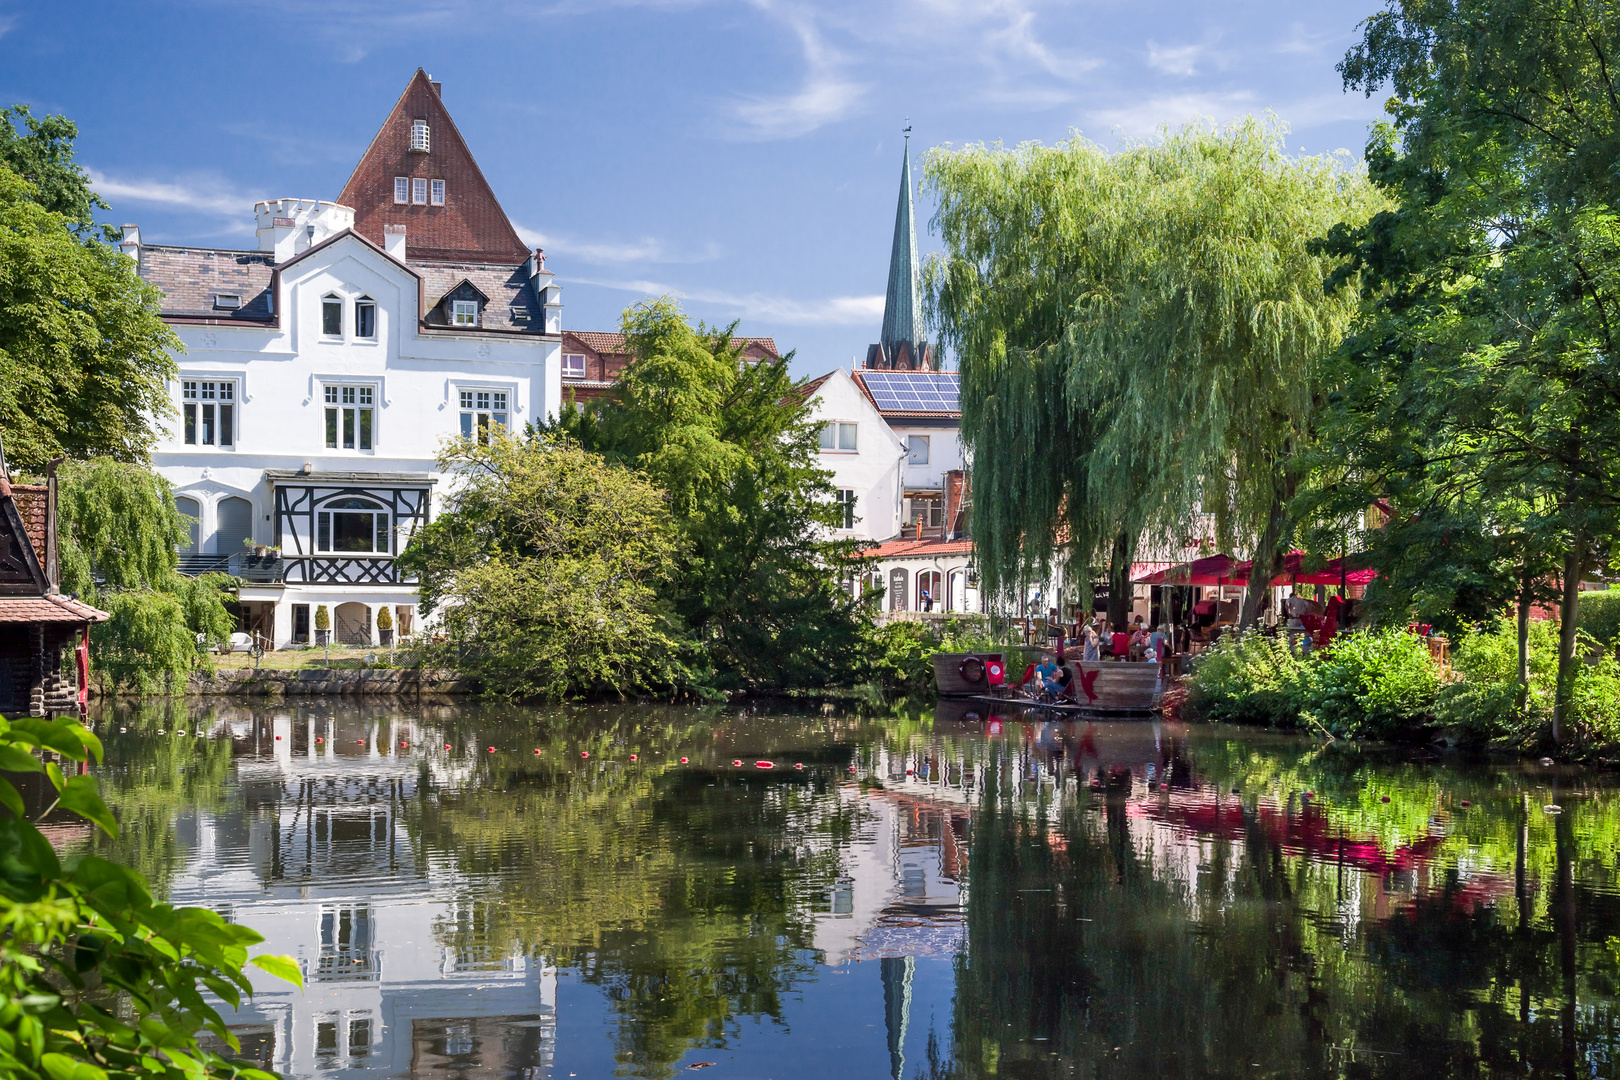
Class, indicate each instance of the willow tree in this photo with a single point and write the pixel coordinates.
(1139, 335)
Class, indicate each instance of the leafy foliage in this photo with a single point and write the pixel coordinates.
(43, 155)
(118, 531)
(1486, 700)
(1138, 333)
(1247, 679)
(84, 356)
(546, 567)
(98, 981)
(1600, 617)
(733, 445)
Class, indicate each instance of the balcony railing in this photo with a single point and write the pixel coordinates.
(259, 569)
(275, 569)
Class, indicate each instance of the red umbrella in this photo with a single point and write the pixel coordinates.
(1213, 570)
(1294, 572)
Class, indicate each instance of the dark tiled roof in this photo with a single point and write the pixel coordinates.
(506, 287)
(192, 278)
(613, 344)
(31, 500)
(53, 609)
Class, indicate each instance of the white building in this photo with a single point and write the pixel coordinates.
(891, 437)
(323, 370)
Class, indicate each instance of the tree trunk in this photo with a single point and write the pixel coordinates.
(1119, 580)
(1525, 583)
(1268, 553)
(1568, 614)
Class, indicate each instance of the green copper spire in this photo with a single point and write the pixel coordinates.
(902, 307)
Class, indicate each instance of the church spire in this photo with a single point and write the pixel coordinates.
(901, 345)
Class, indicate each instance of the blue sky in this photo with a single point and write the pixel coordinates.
(743, 154)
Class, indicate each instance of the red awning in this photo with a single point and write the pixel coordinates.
(1213, 570)
(1294, 573)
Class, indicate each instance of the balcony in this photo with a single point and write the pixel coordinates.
(243, 565)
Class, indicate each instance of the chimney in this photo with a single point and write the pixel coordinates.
(438, 88)
(130, 242)
(394, 241)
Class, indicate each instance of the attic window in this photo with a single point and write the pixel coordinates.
(420, 142)
(464, 313)
(227, 301)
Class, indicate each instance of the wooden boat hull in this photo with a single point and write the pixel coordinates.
(948, 678)
(1121, 688)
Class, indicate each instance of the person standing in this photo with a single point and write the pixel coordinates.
(1089, 644)
(926, 598)
(1159, 646)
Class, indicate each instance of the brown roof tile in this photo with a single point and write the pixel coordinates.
(609, 344)
(51, 609)
(192, 278)
(31, 500)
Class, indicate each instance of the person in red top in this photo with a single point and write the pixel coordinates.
(1122, 643)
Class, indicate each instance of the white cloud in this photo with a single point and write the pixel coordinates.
(826, 94)
(7, 23)
(831, 311)
(1180, 60)
(208, 194)
(647, 249)
(1140, 119)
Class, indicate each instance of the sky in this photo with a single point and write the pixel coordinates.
(742, 155)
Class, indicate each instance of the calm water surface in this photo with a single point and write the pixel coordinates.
(472, 896)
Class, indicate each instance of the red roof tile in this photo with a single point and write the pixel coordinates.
(52, 609)
(613, 344)
(917, 549)
(31, 502)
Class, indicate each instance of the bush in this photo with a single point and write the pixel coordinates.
(1600, 616)
(323, 618)
(1378, 685)
(385, 618)
(1485, 701)
(1247, 679)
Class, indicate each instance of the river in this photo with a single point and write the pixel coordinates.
(478, 891)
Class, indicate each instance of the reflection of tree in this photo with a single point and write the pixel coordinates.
(1108, 943)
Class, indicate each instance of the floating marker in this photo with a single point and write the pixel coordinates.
(362, 742)
(632, 757)
(122, 730)
(492, 749)
(1465, 802)
(1552, 808)
(318, 739)
(160, 732)
(736, 763)
(584, 753)
(1546, 761)
(1384, 799)
(852, 768)
(278, 738)
(911, 772)
(684, 760)
(799, 765)
(1310, 794)
(764, 764)
(537, 751)
(447, 746)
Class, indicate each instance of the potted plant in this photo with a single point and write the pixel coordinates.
(385, 625)
(323, 624)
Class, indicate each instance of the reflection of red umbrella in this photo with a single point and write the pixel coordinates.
(1214, 570)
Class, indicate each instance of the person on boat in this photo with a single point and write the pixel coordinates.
(1064, 683)
(1046, 673)
(1121, 643)
(1139, 640)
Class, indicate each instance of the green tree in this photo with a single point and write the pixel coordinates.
(1485, 360)
(546, 568)
(98, 981)
(119, 530)
(1139, 336)
(84, 355)
(733, 443)
(42, 154)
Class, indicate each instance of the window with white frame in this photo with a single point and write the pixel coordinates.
(464, 313)
(573, 365)
(365, 317)
(349, 417)
(482, 411)
(436, 192)
(839, 435)
(846, 506)
(419, 191)
(421, 142)
(353, 527)
(928, 512)
(917, 449)
(332, 315)
(208, 409)
(402, 189)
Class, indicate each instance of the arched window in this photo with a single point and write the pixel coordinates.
(365, 317)
(353, 526)
(193, 513)
(235, 525)
(332, 315)
(927, 590)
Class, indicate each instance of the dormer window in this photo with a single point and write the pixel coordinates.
(464, 313)
(332, 316)
(227, 301)
(420, 142)
(365, 317)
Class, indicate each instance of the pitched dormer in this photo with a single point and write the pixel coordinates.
(462, 308)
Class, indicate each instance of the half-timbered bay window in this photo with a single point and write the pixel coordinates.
(482, 410)
(208, 407)
(353, 527)
(349, 417)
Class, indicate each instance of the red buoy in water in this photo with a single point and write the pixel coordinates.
(278, 738)
(403, 745)
(318, 739)
(632, 757)
(852, 768)
(1384, 799)
(537, 751)
(799, 765)
(584, 753)
(764, 764)
(492, 749)
(683, 761)
(359, 742)
(1310, 794)
(1465, 802)
(447, 746)
(736, 763)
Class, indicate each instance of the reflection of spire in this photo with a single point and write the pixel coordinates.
(897, 972)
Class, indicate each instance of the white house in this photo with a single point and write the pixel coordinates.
(865, 457)
(323, 370)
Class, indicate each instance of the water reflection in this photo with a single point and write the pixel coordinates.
(958, 895)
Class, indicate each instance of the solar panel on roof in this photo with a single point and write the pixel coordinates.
(914, 391)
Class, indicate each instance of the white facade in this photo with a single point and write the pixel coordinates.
(314, 428)
(863, 454)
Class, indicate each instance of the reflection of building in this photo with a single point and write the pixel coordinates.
(402, 973)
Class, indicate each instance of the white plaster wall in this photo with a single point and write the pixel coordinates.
(944, 454)
(872, 470)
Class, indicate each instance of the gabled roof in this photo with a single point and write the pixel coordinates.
(469, 226)
(809, 389)
(917, 549)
